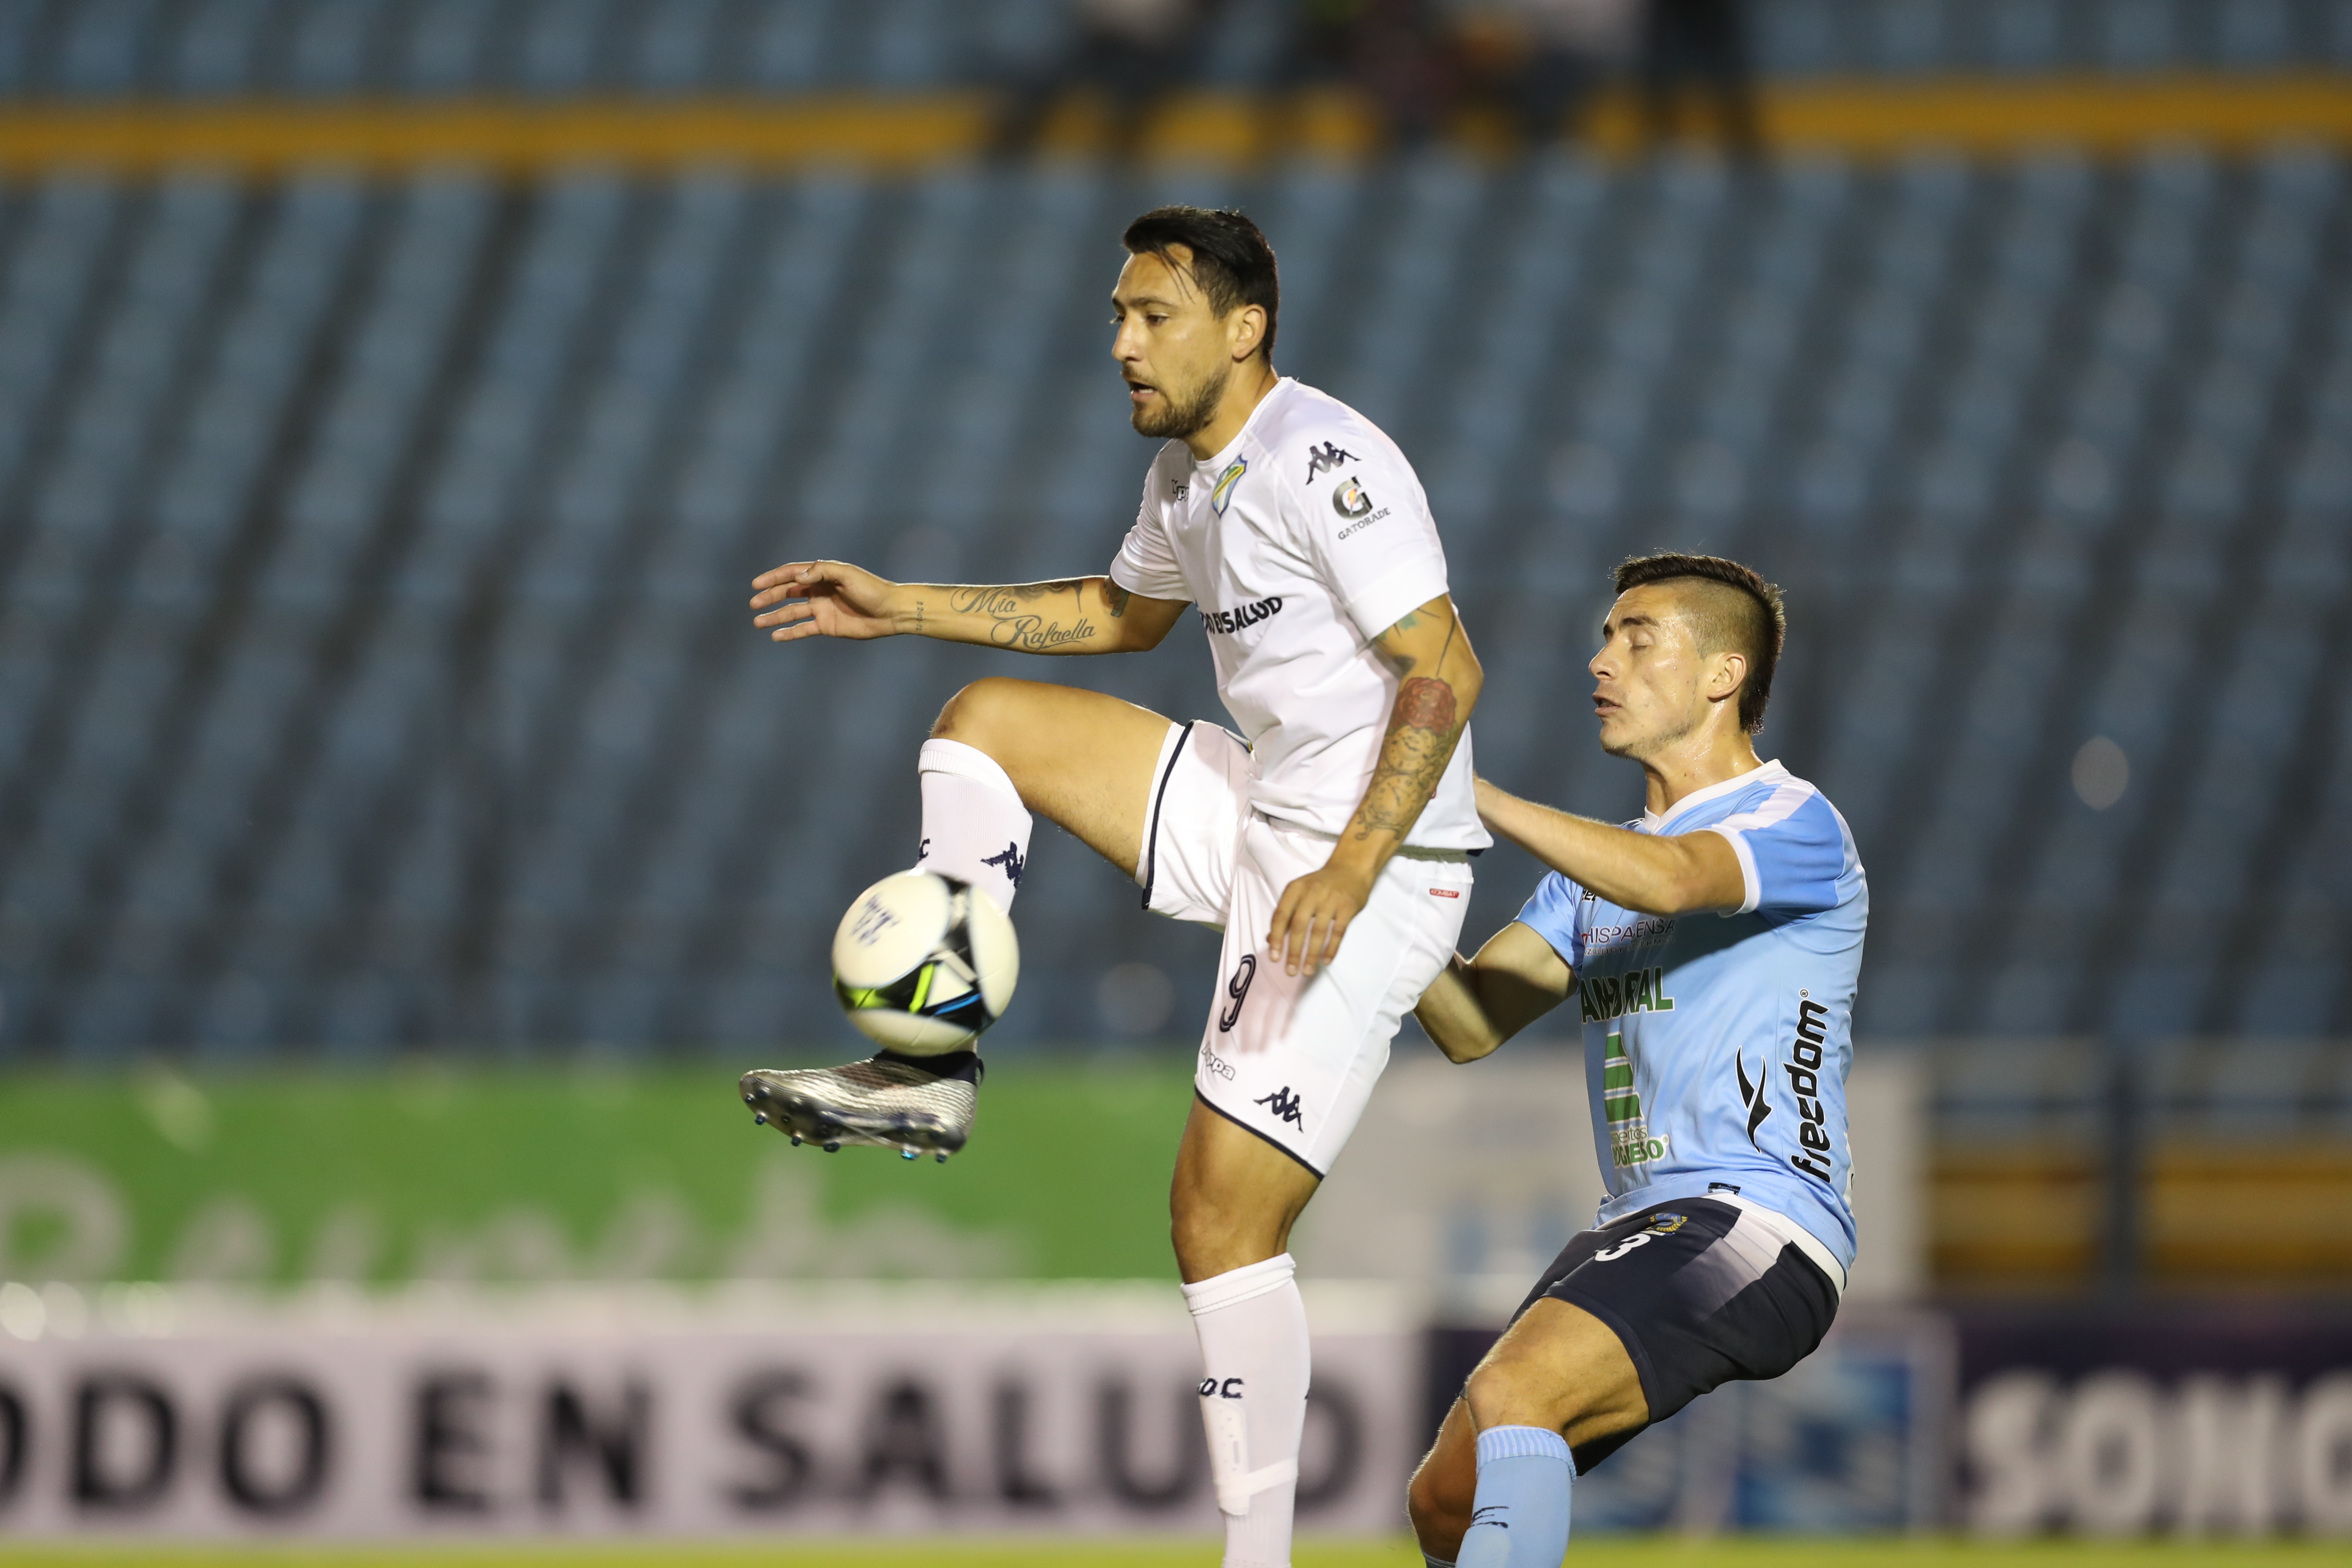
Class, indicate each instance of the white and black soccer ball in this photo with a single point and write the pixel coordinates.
(923, 963)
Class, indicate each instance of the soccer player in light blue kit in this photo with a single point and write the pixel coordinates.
(1712, 950)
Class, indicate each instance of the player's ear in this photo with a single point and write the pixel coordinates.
(1730, 669)
(1245, 331)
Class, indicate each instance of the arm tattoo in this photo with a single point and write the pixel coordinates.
(1118, 596)
(1424, 725)
(1018, 625)
(1043, 590)
(1422, 729)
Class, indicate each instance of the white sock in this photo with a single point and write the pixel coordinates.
(1254, 1367)
(975, 825)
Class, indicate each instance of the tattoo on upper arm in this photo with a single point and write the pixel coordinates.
(1016, 625)
(1118, 596)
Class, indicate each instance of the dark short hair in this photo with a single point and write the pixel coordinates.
(1743, 614)
(1232, 263)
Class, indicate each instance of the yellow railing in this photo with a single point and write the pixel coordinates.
(2210, 1215)
(1861, 119)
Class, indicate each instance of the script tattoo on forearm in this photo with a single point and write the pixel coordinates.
(1014, 621)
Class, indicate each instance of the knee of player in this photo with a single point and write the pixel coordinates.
(1501, 1393)
(977, 713)
(1434, 1506)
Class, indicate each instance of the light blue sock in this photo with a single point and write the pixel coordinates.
(1520, 1519)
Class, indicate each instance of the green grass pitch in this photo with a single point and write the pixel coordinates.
(1669, 1552)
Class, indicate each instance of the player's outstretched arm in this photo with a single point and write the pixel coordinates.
(1438, 680)
(1073, 615)
(1677, 874)
(1478, 1003)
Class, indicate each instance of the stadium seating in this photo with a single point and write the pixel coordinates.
(373, 669)
(93, 48)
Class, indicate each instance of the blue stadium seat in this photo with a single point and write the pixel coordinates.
(440, 721)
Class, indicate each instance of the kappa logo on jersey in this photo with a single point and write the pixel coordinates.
(1222, 495)
(1232, 621)
(1180, 489)
(1804, 1069)
(1751, 1095)
(1322, 460)
(1010, 863)
(1285, 1107)
(1610, 997)
(1349, 499)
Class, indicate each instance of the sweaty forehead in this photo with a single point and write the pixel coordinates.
(1150, 275)
(1659, 603)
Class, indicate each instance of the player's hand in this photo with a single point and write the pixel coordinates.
(1314, 914)
(824, 599)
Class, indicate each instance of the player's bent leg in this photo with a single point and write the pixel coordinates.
(1000, 748)
(1079, 759)
(1561, 1368)
(1440, 1494)
(1233, 1203)
(1558, 1379)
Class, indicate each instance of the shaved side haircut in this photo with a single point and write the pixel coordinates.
(1731, 608)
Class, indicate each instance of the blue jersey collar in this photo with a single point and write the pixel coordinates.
(1771, 773)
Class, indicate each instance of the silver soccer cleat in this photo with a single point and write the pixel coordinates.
(884, 1102)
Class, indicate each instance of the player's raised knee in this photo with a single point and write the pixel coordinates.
(981, 713)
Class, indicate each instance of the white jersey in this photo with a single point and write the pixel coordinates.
(1300, 542)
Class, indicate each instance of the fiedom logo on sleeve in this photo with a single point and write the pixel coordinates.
(1804, 1069)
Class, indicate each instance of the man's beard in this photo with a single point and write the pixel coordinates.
(1641, 748)
(1169, 420)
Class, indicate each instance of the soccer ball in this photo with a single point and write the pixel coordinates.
(922, 963)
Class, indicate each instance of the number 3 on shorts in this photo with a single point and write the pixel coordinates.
(1237, 988)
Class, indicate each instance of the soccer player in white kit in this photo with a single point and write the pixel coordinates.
(1329, 840)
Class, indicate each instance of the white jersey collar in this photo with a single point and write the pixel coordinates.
(1224, 459)
(1767, 772)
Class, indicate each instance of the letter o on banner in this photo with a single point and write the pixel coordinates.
(2111, 1454)
(2324, 1456)
(2008, 1453)
(276, 1444)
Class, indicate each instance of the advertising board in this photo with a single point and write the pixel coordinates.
(743, 1410)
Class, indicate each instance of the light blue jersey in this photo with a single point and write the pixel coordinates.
(1716, 1046)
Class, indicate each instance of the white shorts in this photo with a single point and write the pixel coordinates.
(1293, 1058)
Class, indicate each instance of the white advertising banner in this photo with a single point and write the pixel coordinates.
(914, 1408)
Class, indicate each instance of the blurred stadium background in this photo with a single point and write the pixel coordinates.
(404, 838)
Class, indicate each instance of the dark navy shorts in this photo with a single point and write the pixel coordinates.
(1701, 1292)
